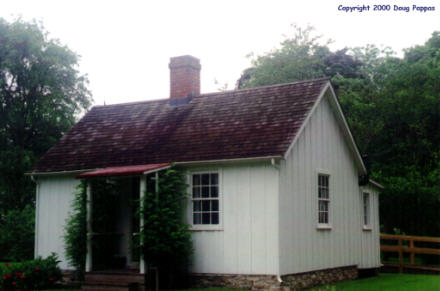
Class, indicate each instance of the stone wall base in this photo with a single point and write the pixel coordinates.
(270, 282)
(320, 277)
(252, 282)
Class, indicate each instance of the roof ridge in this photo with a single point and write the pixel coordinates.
(266, 86)
(131, 103)
(217, 93)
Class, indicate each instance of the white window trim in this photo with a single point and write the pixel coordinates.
(366, 227)
(323, 226)
(205, 227)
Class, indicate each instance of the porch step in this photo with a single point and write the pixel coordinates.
(113, 280)
(105, 286)
(118, 277)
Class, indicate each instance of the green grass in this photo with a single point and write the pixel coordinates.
(388, 282)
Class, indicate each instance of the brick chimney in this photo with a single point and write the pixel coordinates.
(184, 77)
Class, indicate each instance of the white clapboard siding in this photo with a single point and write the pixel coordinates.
(248, 240)
(53, 204)
(323, 147)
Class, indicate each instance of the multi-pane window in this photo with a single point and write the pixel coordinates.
(323, 199)
(205, 198)
(366, 199)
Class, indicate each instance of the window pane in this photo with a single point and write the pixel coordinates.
(197, 218)
(214, 179)
(214, 191)
(324, 193)
(366, 208)
(205, 191)
(196, 180)
(323, 205)
(214, 205)
(321, 217)
(197, 206)
(196, 192)
(206, 218)
(214, 218)
(206, 205)
(205, 179)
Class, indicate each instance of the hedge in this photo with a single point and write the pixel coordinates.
(36, 274)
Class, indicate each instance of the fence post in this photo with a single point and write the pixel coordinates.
(400, 256)
(411, 248)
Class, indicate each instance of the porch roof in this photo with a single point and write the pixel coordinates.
(124, 170)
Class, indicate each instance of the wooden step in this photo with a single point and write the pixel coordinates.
(119, 277)
(105, 285)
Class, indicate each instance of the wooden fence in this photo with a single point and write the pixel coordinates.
(406, 244)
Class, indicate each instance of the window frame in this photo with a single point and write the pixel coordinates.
(366, 211)
(199, 227)
(320, 225)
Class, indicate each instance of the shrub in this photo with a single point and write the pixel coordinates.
(167, 243)
(75, 237)
(30, 275)
(17, 235)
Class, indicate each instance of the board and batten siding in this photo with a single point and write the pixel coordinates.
(53, 204)
(370, 254)
(247, 242)
(322, 147)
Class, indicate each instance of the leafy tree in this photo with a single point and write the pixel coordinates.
(393, 108)
(301, 57)
(41, 93)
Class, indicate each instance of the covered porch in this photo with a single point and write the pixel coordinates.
(114, 195)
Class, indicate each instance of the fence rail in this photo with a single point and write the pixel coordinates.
(405, 244)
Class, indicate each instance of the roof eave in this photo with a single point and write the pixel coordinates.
(57, 173)
(374, 183)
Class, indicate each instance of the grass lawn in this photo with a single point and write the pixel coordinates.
(389, 282)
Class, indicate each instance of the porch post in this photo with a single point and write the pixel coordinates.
(142, 189)
(89, 261)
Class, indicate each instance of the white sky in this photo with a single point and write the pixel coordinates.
(125, 46)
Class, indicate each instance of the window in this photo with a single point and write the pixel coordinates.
(323, 199)
(366, 202)
(205, 199)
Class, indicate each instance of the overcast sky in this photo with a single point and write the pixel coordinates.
(125, 46)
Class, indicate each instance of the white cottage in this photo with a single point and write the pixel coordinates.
(278, 190)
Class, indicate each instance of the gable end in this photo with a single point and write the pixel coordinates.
(328, 91)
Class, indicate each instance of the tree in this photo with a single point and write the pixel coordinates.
(302, 57)
(41, 93)
(393, 108)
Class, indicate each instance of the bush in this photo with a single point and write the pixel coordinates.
(75, 237)
(30, 275)
(167, 243)
(17, 235)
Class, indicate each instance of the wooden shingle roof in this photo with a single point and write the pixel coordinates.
(247, 123)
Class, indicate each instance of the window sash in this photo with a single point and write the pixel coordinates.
(366, 203)
(323, 199)
(205, 199)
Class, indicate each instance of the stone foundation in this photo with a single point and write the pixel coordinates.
(252, 282)
(270, 282)
(320, 277)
